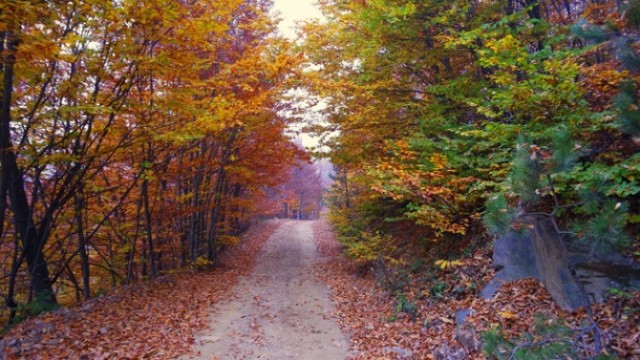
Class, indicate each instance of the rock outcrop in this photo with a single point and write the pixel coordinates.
(573, 279)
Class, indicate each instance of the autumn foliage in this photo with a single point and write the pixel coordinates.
(140, 137)
(422, 322)
(137, 137)
(157, 319)
(452, 118)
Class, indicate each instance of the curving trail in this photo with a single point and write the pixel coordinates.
(281, 310)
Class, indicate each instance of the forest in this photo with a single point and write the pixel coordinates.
(141, 139)
(456, 118)
(455, 123)
(137, 138)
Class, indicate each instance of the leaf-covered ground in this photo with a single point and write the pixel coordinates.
(159, 319)
(420, 323)
(152, 320)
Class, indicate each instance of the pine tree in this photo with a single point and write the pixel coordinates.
(627, 106)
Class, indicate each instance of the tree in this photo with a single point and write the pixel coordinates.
(119, 115)
(448, 112)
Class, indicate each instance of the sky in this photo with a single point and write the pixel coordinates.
(292, 11)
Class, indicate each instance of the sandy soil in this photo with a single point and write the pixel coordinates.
(280, 311)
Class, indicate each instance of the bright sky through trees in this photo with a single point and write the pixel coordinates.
(292, 11)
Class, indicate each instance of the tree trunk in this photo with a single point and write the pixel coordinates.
(195, 218)
(82, 246)
(215, 214)
(147, 227)
(74, 281)
(218, 191)
(17, 259)
(185, 242)
(133, 242)
(33, 243)
(345, 181)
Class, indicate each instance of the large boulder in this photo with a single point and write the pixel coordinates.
(573, 280)
(598, 274)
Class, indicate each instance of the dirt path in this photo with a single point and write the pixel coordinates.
(281, 310)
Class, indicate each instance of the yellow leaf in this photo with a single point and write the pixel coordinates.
(507, 314)
(444, 264)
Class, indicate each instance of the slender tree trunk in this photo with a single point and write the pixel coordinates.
(185, 242)
(133, 242)
(74, 281)
(215, 214)
(236, 220)
(148, 227)
(3, 197)
(112, 269)
(195, 216)
(82, 246)
(145, 181)
(567, 7)
(16, 262)
(345, 182)
(218, 192)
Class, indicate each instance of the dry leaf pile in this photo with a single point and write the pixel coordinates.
(381, 328)
(152, 320)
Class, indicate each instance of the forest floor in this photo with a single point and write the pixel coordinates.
(263, 301)
(156, 319)
(286, 293)
(420, 319)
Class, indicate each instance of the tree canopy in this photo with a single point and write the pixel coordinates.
(136, 137)
(457, 117)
